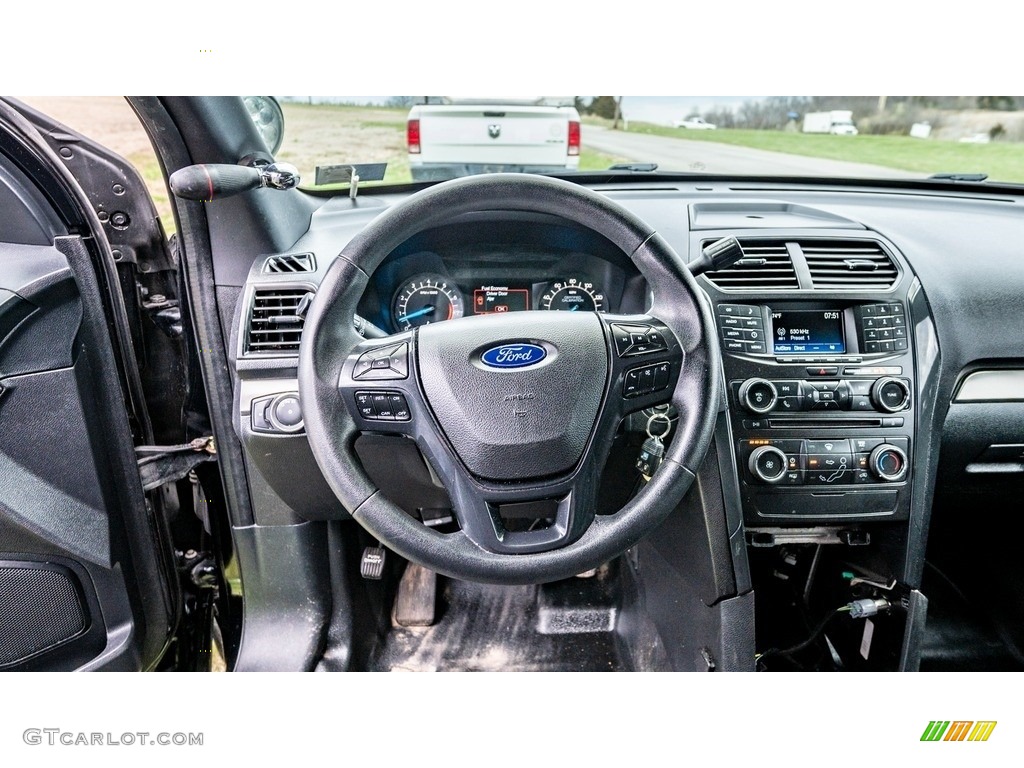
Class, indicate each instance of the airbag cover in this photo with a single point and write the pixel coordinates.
(522, 422)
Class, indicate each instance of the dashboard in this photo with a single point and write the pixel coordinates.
(846, 331)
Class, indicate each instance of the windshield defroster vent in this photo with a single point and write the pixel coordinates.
(276, 319)
(848, 264)
(289, 263)
(766, 265)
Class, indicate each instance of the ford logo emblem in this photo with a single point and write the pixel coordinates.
(513, 355)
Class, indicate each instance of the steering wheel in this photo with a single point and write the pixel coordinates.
(510, 409)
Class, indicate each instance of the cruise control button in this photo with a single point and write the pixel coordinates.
(399, 406)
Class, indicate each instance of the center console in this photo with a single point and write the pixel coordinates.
(822, 408)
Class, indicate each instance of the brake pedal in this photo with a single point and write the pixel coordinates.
(415, 601)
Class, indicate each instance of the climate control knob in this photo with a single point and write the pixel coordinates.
(890, 395)
(758, 395)
(768, 463)
(889, 463)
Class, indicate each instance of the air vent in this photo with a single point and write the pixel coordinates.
(765, 266)
(848, 264)
(290, 263)
(276, 320)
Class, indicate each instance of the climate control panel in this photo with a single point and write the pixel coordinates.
(825, 461)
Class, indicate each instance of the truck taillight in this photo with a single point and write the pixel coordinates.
(574, 137)
(412, 136)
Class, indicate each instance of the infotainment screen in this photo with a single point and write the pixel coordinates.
(802, 331)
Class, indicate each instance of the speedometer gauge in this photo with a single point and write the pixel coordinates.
(426, 299)
(573, 295)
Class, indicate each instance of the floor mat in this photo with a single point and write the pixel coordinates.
(563, 627)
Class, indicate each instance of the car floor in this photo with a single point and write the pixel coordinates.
(974, 584)
(570, 625)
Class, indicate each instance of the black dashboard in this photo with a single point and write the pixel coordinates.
(845, 331)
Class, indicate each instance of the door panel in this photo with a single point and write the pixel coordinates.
(86, 570)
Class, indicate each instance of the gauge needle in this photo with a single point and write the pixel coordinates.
(425, 311)
(574, 307)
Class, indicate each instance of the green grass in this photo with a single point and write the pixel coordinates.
(1002, 161)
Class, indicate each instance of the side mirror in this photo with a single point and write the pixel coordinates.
(268, 118)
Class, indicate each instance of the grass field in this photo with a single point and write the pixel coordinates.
(1002, 161)
(325, 134)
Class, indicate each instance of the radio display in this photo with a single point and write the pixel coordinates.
(492, 299)
(802, 331)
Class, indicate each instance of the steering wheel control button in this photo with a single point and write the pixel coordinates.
(381, 405)
(661, 375)
(646, 379)
(643, 339)
(758, 395)
(383, 363)
(364, 404)
(631, 385)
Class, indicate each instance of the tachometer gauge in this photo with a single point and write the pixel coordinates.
(426, 299)
(573, 295)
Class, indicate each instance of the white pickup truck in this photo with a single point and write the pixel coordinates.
(459, 137)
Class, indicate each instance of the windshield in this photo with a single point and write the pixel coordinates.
(439, 137)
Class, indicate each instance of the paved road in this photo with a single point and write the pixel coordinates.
(684, 155)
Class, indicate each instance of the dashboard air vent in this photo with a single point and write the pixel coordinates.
(848, 264)
(276, 319)
(766, 265)
(289, 263)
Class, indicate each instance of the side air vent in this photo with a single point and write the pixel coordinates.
(848, 264)
(765, 266)
(276, 319)
(290, 263)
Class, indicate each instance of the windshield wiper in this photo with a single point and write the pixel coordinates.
(959, 176)
(637, 167)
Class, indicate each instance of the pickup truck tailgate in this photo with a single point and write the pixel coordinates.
(500, 135)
